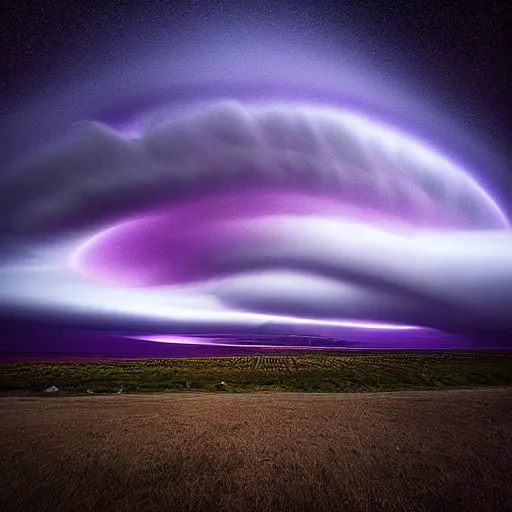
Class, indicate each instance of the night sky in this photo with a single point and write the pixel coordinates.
(452, 58)
(456, 51)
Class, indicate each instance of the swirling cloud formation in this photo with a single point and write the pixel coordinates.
(233, 216)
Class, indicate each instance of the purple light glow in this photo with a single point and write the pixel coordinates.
(220, 343)
(184, 240)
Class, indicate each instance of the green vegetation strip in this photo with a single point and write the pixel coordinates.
(316, 372)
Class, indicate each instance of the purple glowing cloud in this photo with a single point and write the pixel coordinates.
(269, 213)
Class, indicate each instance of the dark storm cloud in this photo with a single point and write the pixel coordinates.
(99, 174)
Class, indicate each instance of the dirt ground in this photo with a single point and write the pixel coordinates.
(430, 450)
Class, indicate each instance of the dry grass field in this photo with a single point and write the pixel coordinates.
(404, 451)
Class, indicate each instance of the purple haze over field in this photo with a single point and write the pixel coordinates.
(136, 221)
(28, 341)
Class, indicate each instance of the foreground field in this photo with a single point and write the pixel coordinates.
(428, 450)
(320, 371)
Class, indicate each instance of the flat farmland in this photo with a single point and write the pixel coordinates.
(307, 372)
(400, 451)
